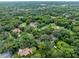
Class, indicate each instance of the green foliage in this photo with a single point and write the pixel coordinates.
(50, 29)
(62, 49)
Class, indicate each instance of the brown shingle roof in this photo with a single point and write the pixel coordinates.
(16, 30)
(25, 51)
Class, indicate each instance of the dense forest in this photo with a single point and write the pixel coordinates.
(39, 29)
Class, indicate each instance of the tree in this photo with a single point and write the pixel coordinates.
(62, 49)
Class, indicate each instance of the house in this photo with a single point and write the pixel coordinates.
(16, 30)
(25, 51)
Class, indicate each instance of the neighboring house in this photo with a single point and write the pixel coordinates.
(16, 30)
(25, 51)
